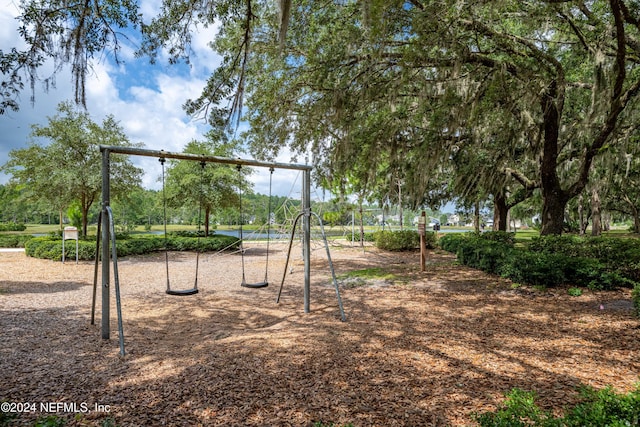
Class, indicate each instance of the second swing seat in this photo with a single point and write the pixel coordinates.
(254, 285)
(183, 292)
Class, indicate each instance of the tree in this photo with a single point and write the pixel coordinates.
(65, 33)
(411, 81)
(210, 186)
(415, 77)
(624, 182)
(69, 168)
(11, 205)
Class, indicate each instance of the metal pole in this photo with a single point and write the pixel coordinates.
(95, 270)
(201, 158)
(306, 237)
(333, 271)
(114, 251)
(106, 172)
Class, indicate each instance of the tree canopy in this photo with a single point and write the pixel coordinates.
(68, 168)
(529, 92)
(210, 187)
(468, 98)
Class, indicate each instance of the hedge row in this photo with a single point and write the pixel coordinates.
(14, 240)
(541, 263)
(51, 248)
(12, 226)
(621, 255)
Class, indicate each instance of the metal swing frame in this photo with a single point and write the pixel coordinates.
(107, 223)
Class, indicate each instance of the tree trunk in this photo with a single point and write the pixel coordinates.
(635, 212)
(581, 216)
(85, 220)
(554, 199)
(361, 224)
(476, 216)
(596, 218)
(500, 212)
(553, 208)
(207, 214)
(400, 205)
(606, 221)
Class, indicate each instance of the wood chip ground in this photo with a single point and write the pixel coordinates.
(417, 349)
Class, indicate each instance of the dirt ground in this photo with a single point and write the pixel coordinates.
(417, 349)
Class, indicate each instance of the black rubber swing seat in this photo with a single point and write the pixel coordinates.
(183, 292)
(254, 285)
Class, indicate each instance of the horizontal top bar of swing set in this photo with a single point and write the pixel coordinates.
(200, 158)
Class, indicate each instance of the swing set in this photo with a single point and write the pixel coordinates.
(106, 233)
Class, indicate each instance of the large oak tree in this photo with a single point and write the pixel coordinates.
(404, 84)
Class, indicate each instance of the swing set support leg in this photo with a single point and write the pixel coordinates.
(308, 215)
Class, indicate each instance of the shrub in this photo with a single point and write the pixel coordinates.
(485, 255)
(605, 408)
(519, 409)
(598, 408)
(534, 268)
(431, 239)
(12, 226)
(51, 247)
(565, 244)
(369, 237)
(636, 298)
(14, 240)
(574, 292)
(618, 255)
(398, 240)
(499, 236)
(451, 241)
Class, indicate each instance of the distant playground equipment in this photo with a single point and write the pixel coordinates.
(106, 233)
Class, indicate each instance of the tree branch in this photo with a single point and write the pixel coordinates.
(527, 183)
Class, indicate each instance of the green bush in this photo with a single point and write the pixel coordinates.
(598, 408)
(565, 244)
(12, 226)
(615, 254)
(486, 255)
(636, 298)
(518, 410)
(369, 237)
(14, 240)
(534, 268)
(51, 247)
(451, 241)
(431, 239)
(401, 240)
(499, 236)
(596, 263)
(574, 292)
(605, 408)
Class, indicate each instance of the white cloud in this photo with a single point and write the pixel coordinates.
(152, 115)
(146, 101)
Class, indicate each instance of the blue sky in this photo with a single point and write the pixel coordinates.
(145, 99)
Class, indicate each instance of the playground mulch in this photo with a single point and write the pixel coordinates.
(417, 348)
